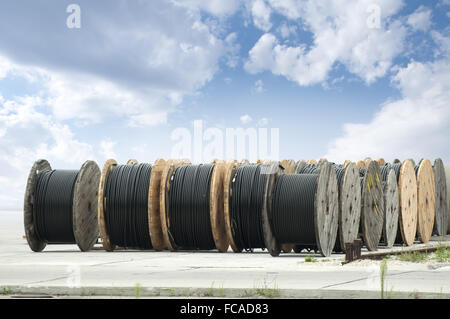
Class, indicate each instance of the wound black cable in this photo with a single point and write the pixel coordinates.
(293, 209)
(126, 206)
(248, 187)
(189, 216)
(309, 169)
(339, 175)
(52, 209)
(313, 169)
(386, 168)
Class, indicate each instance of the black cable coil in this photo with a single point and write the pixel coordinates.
(247, 198)
(386, 168)
(190, 223)
(339, 175)
(309, 169)
(126, 208)
(52, 209)
(293, 209)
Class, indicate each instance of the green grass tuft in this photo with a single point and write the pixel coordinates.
(442, 254)
(415, 257)
(309, 259)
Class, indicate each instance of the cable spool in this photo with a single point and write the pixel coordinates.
(168, 170)
(447, 179)
(154, 220)
(391, 204)
(407, 192)
(123, 205)
(349, 190)
(441, 215)
(188, 210)
(367, 161)
(349, 194)
(289, 168)
(346, 163)
(360, 165)
(426, 200)
(217, 214)
(305, 209)
(230, 168)
(60, 206)
(250, 192)
(372, 205)
(381, 162)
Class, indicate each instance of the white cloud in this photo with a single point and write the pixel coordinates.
(261, 15)
(107, 148)
(340, 35)
(114, 65)
(415, 126)
(287, 30)
(245, 119)
(420, 19)
(214, 7)
(27, 135)
(259, 86)
(232, 55)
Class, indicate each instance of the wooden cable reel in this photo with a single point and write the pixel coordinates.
(407, 189)
(426, 200)
(289, 168)
(326, 209)
(167, 172)
(84, 206)
(392, 208)
(372, 206)
(216, 209)
(349, 206)
(441, 213)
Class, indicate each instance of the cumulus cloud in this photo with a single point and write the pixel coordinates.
(215, 7)
(341, 35)
(127, 59)
(107, 148)
(26, 135)
(416, 125)
(287, 30)
(259, 86)
(261, 15)
(420, 19)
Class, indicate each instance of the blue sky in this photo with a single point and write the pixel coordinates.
(339, 79)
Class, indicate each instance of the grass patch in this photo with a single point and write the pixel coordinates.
(309, 259)
(442, 254)
(268, 292)
(221, 291)
(210, 291)
(383, 270)
(137, 291)
(415, 257)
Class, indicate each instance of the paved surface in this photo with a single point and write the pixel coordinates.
(63, 269)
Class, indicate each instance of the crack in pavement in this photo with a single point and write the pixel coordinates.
(365, 278)
(42, 281)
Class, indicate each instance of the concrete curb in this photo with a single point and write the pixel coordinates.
(183, 292)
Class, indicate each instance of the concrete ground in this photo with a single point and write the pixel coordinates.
(64, 270)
